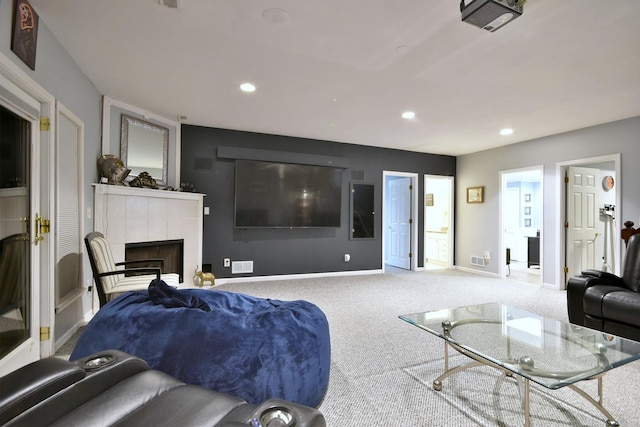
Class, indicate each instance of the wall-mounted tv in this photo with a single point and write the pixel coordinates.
(284, 195)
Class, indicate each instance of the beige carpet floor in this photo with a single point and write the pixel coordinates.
(382, 367)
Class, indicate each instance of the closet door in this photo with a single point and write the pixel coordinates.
(69, 208)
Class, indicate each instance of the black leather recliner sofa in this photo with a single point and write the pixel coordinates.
(606, 302)
(113, 388)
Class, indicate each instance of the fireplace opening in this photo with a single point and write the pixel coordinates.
(171, 251)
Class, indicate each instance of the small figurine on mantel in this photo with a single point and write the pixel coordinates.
(113, 169)
(143, 180)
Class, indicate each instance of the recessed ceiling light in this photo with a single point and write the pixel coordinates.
(408, 115)
(247, 87)
(506, 131)
(275, 16)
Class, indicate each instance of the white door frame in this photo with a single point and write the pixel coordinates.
(540, 213)
(414, 216)
(561, 204)
(44, 159)
(450, 225)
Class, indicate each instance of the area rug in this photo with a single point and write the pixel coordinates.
(487, 397)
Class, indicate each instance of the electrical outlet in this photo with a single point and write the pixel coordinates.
(227, 262)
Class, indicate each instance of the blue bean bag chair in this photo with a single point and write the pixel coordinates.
(249, 347)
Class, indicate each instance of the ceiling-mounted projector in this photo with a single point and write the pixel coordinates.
(491, 14)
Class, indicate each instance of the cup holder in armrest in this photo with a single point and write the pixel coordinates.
(98, 361)
(277, 416)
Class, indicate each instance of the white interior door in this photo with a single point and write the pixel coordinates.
(399, 223)
(19, 228)
(582, 218)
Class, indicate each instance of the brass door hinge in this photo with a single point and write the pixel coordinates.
(45, 123)
(44, 333)
(410, 220)
(566, 179)
(43, 226)
(410, 255)
(566, 270)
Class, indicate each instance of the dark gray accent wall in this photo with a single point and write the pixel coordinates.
(301, 250)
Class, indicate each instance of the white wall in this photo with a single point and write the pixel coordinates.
(477, 227)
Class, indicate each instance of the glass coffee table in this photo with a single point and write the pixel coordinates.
(531, 347)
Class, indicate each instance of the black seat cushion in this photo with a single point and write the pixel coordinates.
(613, 303)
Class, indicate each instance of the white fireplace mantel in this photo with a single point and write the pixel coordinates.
(131, 215)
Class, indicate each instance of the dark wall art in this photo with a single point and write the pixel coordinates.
(25, 32)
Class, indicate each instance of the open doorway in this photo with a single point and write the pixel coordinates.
(399, 208)
(438, 222)
(589, 202)
(521, 215)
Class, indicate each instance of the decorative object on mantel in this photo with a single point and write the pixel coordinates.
(188, 187)
(112, 168)
(200, 277)
(628, 231)
(143, 180)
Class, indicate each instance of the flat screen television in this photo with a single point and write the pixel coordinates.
(284, 195)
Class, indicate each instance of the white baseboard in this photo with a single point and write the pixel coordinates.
(64, 338)
(226, 280)
(551, 286)
(476, 271)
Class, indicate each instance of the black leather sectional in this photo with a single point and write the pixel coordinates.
(606, 302)
(113, 388)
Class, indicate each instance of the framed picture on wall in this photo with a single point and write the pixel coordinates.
(527, 222)
(475, 195)
(25, 32)
(527, 210)
(527, 197)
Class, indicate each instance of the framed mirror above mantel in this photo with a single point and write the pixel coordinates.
(144, 148)
(119, 117)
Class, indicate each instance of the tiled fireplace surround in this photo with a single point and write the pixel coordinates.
(131, 215)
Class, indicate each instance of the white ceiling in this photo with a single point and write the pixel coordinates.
(345, 70)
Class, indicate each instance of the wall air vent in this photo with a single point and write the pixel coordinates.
(490, 15)
(241, 267)
(478, 261)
